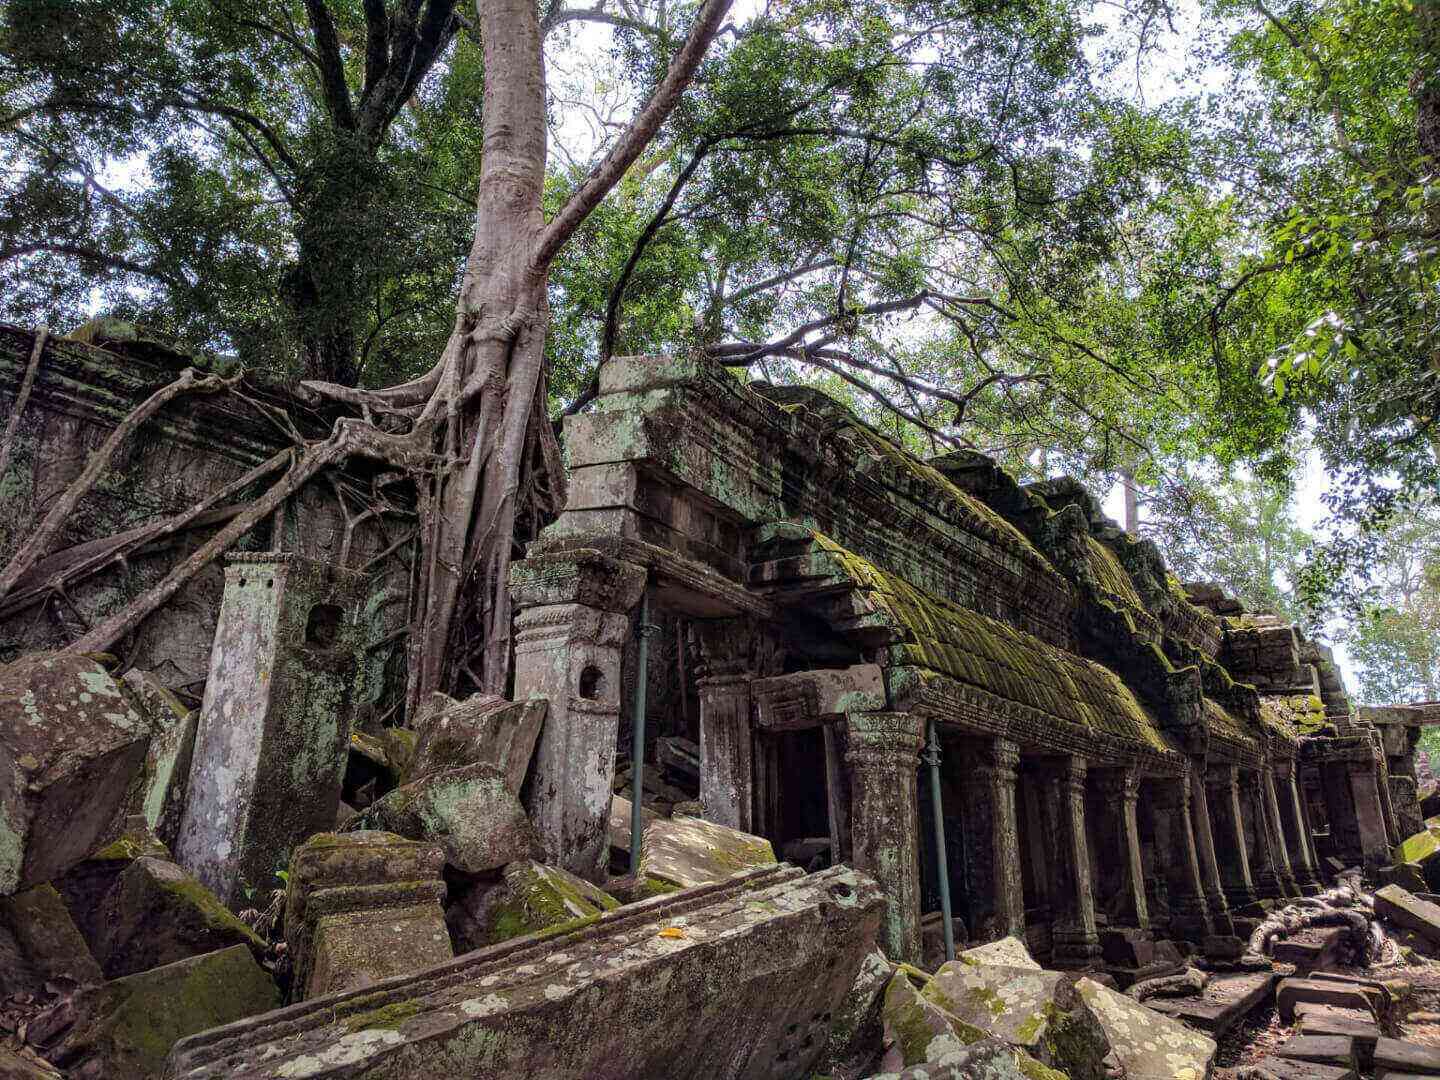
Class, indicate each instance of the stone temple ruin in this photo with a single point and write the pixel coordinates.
(922, 682)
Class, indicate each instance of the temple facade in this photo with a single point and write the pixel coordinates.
(1121, 760)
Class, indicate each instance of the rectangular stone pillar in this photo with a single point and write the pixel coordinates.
(1074, 933)
(727, 765)
(571, 626)
(274, 728)
(883, 752)
(1369, 814)
(1176, 853)
(1271, 802)
(837, 793)
(1292, 823)
(1122, 893)
(986, 769)
(1264, 868)
(1223, 794)
(1205, 849)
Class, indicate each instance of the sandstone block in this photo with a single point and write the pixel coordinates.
(470, 812)
(1144, 1043)
(1021, 1006)
(855, 1031)
(86, 884)
(1288, 1069)
(736, 981)
(1398, 1055)
(158, 792)
(71, 742)
(157, 914)
(127, 1026)
(46, 943)
(531, 897)
(1402, 908)
(692, 851)
(1007, 952)
(481, 730)
(1292, 992)
(1325, 1049)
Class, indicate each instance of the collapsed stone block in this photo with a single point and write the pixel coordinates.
(127, 1026)
(158, 792)
(360, 907)
(855, 1031)
(275, 724)
(71, 742)
(1145, 1044)
(692, 851)
(86, 884)
(530, 898)
(1007, 952)
(481, 730)
(1293, 992)
(469, 811)
(1024, 1007)
(1399, 906)
(42, 942)
(727, 982)
(157, 914)
(1289, 1069)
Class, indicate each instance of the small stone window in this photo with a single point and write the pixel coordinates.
(322, 629)
(592, 683)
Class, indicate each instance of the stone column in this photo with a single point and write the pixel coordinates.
(1278, 845)
(1176, 851)
(1292, 819)
(1223, 794)
(883, 752)
(1075, 937)
(1369, 814)
(1393, 835)
(571, 629)
(1205, 849)
(988, 784)
(1264, 868)
(274, 729)
(1118, 835)
(727, 765)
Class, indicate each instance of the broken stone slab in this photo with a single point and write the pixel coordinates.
(1292, 992)
(1285, 1069)
(722, 981)
(158, 792)
(1354, 1024)
(470, 812)
(481, 730)
(1401, 907)
(1127, 947)
(71, 743)
(856, 1029)
(1397, 1055)
(1325, 1049)
(125, 1027)
(86, 884)
(619, 823)
(917, 1029)
(274, 727)
(1021, 1006)
(157, 914)
(1145, 1044)
(1225, 1001)
(679, 755)
(531, 897)
(361, 907)
(692, 851)
(1007, 952)
(46, 942)
(988, 1059)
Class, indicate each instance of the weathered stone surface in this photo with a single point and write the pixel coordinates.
(157, 914)
(126, 1027)
(360, 907)
(856, 1029)
(1325, 1049)
(469, 811)
(86, 884)
(1403, 908)
(1401, 1056)
(1356, 1024)
(71, 743)
(1292, 992)
(45, 941)
(1146, 1044)
(1287, 1069)
(1019, 1005)
(481, 730)
(727, 981)
(274, 727)
(1225, 1001)
(158, 792)
(917, 1029)
(1007, 952)
(692, 851)
(531, 897)
(988, 1059)
(15, 1067)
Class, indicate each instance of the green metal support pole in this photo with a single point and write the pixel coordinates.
(937, 812)
(637, 736)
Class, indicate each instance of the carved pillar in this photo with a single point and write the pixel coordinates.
(993, 837)
(1179, 859)
(1393, 834)
(1292, 823)
(1369, 814)
(1118, 836)
(571, 627)
(1076, 940)
(1278, 845)
(1205, 849)
(883, 752)
(1264, 866)
(1223, 794)
(727, 766)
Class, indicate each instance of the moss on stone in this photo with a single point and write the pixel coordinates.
(387, 1016)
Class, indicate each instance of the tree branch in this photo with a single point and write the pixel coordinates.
(332, 65)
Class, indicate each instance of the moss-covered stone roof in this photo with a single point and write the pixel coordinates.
(1228, 727)
(1110, 575)
(1303, 714)
(971, 648)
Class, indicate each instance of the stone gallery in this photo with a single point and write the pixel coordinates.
(811, 746)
